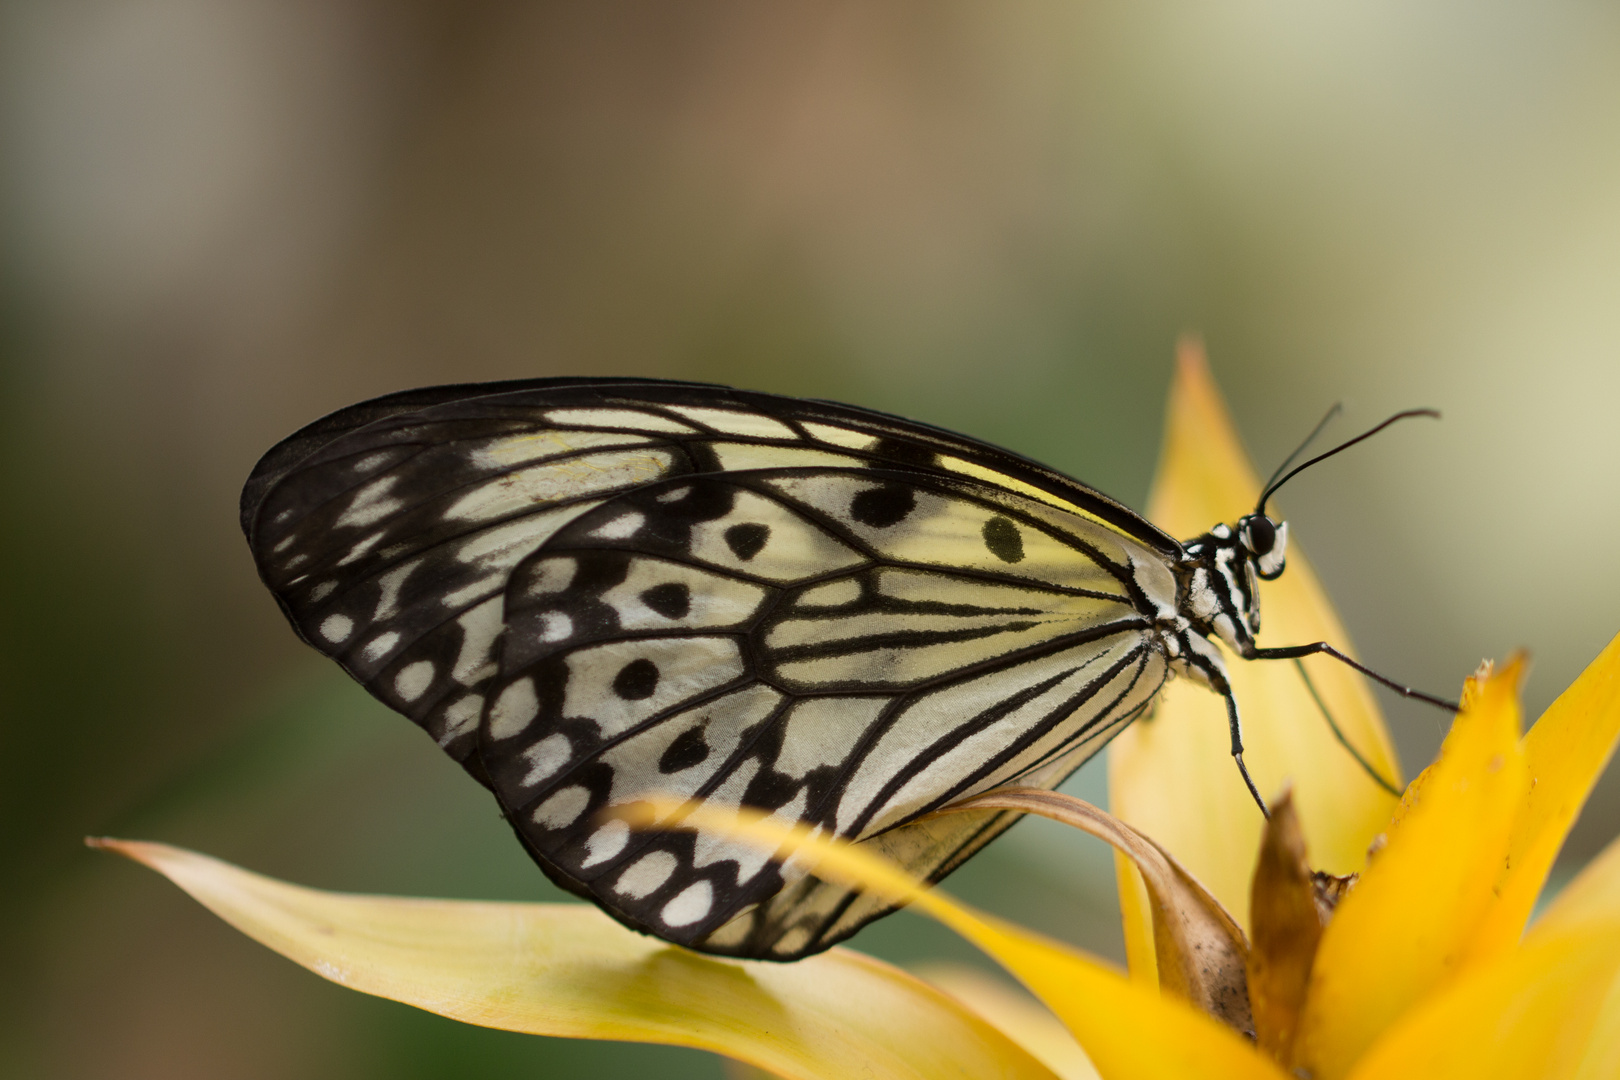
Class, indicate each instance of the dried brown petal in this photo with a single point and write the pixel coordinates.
(1287, 910)
(1201, 951)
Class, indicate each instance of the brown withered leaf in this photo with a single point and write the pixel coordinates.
(1287, 910)
(1202, 953)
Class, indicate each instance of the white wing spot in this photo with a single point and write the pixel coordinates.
(360, 549)
(480, 626)
(546, 757)
(620, 528)
(513, 710)
(555, 626)
(370, 504)
(643, 876)
(731, 422)
(391, 583)
(551, 576)
(606, 842)
(372, 461)
(832, 594)
(675, 495)
(690, 905)
(563, 808)
(286, 543)
(634, 419)
(337, 628)
(853, 440)
(740, 456)
(381, 645)
(414, 679)
(460, 717)
(322, 591)
(472, 590)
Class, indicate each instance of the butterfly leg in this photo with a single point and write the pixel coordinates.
(1236, 750)
(1224, 688)
(1366, 766)
(1294, 652)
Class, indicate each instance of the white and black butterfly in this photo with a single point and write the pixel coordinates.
(590, 590)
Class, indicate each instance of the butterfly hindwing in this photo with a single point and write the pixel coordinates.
(593, 592)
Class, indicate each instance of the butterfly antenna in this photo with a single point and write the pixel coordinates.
(1338, 407)
(1272, 487)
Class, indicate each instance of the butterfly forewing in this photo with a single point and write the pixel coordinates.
(592, 593)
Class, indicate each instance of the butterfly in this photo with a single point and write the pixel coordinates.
(589, 591)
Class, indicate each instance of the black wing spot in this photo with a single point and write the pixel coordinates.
(746, 540)
(672, 599)
(883, 506)
(636, 680)
(902, 452)
(687, 750)
(1004, 540)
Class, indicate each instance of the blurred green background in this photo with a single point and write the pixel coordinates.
(221, 220)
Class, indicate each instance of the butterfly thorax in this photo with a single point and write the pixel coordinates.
(1217, 582)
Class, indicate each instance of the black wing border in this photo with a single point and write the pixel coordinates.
(284, 458)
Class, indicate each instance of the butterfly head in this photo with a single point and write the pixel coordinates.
(1220, 573)
(1266, 543)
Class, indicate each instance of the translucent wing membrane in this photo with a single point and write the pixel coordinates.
(589, 592)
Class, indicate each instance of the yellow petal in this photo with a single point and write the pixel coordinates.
(1532, 1012)
(1016, 1014)
(567, 969)
(1199, 951)
(1566, 751)
(1171, 776)
(1404, 927)
(1128, 1031)
(1136, 918)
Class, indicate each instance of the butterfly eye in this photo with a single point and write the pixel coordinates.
(1269, 562)
(1258, 533)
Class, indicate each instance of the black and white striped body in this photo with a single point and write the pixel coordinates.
(592, 591)
(1217, 598)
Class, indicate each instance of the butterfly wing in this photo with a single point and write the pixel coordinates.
(591, 591)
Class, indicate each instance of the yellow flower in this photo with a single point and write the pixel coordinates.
(1424, 968)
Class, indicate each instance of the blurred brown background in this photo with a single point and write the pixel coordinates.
(220, 220)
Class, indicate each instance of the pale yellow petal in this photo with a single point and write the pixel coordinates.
(1600, 1059)
(1566, 751)
(1171, 776)
(567, 969)
(1592, 896)
(1128, 1031)
(1591, 900)
(1402, 930)
(1532, 1012)
(1016, 1014)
